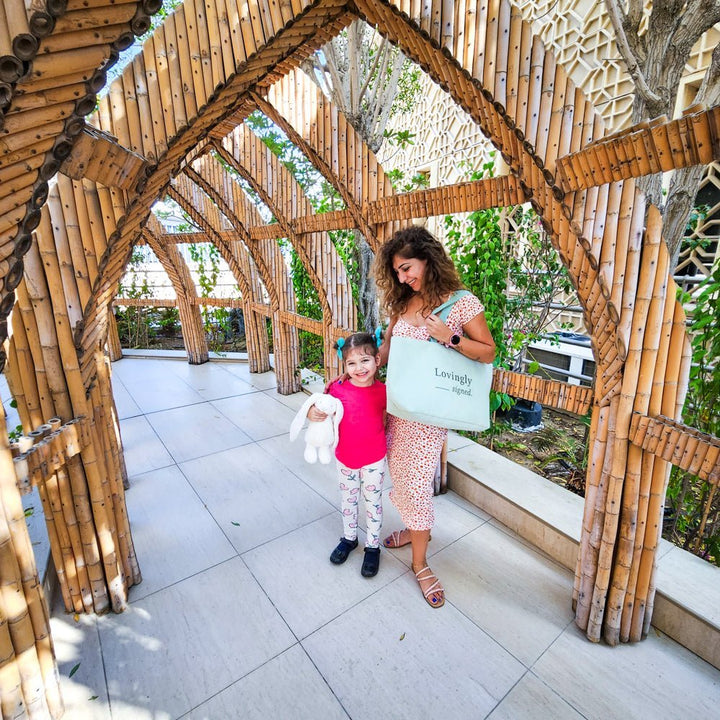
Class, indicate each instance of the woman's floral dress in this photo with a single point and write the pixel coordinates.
(414, 448)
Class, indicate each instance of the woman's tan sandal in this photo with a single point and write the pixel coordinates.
(394, 540)
(426, 574)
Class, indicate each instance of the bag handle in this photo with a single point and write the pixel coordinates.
(442, 311)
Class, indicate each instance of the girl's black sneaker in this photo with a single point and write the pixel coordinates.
(340, 553)
(371, 562)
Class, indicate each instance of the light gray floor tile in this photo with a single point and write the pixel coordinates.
(174, 534)
(457, 441)
(77, 648)
(261, 381)
(256, 414)
(323, 479)
(213, 381)
(452, 522)
(288, 686)
(532, 699)
(293, 401)
(306, 588)
(516, 595)
(189, 433)
(252, 496)
(124, 404)
(171, 651)
(136, 370)
(160, 389)
(393, 656)
(656, 678)
(144, 451)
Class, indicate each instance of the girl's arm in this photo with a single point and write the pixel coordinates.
(476, 344)
(384, 349)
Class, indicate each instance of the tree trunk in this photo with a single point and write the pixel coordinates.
(656, 61)
(367, 293)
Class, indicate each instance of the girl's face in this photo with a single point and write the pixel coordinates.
(361, 366)
(409, 271)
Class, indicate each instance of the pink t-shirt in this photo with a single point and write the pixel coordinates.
(362, 430)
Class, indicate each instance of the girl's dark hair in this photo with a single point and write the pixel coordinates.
(440, 277)
(363, 340)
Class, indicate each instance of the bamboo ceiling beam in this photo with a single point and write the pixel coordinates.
(309, 26)
(347, 190)
(501, 191)
(64, 63)
(98, 156)
(646, 148)
(247, 154)
(181, 191)
(210, 177)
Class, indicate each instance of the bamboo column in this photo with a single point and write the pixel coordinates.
(84, 501)
(29, 683)
(191, 323)
(113, 339)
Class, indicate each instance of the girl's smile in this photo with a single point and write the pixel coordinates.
(361, 367)
(409, 271)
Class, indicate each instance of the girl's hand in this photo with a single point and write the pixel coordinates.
(438, 329)
(315, 415)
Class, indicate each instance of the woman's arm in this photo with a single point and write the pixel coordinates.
(384, 349)
(477, 343)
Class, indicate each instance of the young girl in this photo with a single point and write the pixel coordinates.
(361, 447)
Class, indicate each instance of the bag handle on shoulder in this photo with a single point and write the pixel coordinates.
(442, 311)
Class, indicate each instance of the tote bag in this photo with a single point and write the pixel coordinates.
(432, 384)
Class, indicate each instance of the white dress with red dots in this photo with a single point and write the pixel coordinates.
(414, 448)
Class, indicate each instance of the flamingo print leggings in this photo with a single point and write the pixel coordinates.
(369, 480)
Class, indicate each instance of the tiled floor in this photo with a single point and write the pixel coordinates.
(241, 615)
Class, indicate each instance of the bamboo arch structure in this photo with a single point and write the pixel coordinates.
(65, 245)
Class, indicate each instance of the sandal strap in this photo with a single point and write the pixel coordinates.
(435, 587)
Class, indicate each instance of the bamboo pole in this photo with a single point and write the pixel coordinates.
(31, 587)
(594, 514)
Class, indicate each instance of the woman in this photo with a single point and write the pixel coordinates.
(415, 275)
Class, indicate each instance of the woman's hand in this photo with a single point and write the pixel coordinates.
(339, 379)
(476, 343)
(438, 329)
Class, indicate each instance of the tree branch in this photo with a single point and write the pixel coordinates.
(634, 16)
(380, 51)
(627, 54)
(698, 17)
(709, 90)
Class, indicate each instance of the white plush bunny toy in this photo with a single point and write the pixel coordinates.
(321, 438)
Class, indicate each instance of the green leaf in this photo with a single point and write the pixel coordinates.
(237, 524)
(402, 637)
(93, 697)
(74, 670)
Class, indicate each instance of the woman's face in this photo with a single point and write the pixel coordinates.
(409, 271)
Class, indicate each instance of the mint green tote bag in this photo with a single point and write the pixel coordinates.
(432, 384)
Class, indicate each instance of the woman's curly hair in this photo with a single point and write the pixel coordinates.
(440, 277)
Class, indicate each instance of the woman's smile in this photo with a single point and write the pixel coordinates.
(409, 271)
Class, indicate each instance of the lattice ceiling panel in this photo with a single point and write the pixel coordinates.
(444, 136)
(582, 37)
